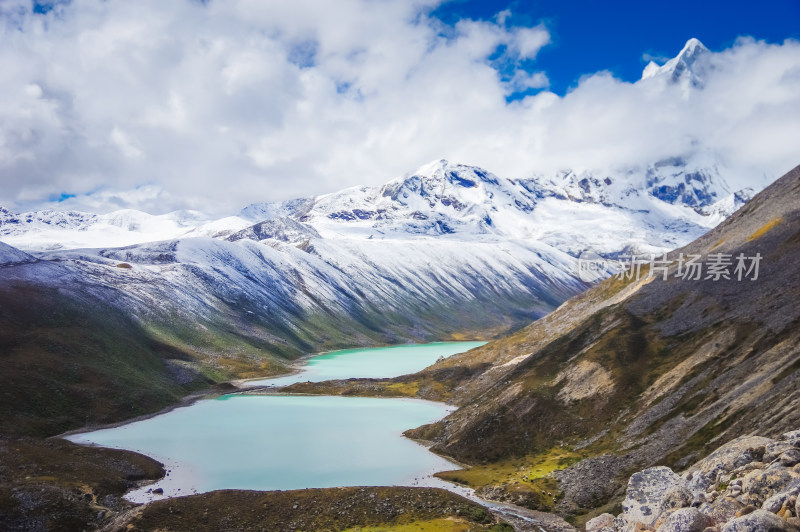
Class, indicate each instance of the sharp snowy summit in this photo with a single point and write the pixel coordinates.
(687, 67)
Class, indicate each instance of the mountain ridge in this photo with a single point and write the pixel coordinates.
(440, 198)
(632, 373)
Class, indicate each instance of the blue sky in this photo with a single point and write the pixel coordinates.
(592, 35)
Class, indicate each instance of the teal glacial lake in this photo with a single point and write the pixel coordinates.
(271, 442)
(378, 362)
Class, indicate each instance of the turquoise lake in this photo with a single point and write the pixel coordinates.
(377, 362)
(291, 442)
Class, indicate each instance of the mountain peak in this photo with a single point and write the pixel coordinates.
(463, 175)
(693, 46)
(433, 168)
(687, 65)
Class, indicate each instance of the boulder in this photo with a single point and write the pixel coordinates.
(759, 521)
(775, 503)
(685, 520)
(790, 457)
(723, 510)
(600, 522)
(758, 486)
(773, 450)
(733, 455)
(792, 437)
(653, 491)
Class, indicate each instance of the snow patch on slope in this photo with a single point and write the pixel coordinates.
(11, 255)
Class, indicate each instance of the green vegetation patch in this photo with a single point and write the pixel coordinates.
(526, 479)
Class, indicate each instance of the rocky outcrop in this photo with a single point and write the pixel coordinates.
(750, 484)
(652, 492)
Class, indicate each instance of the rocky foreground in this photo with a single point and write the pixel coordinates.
(750, 484)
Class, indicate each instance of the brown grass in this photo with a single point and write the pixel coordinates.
(764, 229)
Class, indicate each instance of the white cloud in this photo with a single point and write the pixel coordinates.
(125, 145)
(218, 104)
(528, 41)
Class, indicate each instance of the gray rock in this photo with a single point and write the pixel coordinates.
(759, 521)
(792, 437)
(775, 503)
(653, 491)
(773, 450)
(790, 457)
(733, 455)
(759, 486)
(797, 507)
(699, 483)
(685, 520)
(600, 522)
(723, 510)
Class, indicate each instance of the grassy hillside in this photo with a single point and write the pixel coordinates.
(67, 359)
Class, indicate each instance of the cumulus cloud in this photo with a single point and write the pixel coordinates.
(217, 104)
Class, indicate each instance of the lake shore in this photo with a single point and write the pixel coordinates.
(242, 388)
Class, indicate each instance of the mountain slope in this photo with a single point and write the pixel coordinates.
(177, 315)
(70, 357)
(634, 373)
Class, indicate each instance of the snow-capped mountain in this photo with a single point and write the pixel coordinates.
(51, 229)
(646, 209)
(688, 67)
(446, 251)
(650, 209)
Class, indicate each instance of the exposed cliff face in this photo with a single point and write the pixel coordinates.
(635, 373)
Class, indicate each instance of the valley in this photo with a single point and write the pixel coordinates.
(179, 319)
(391, 266)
